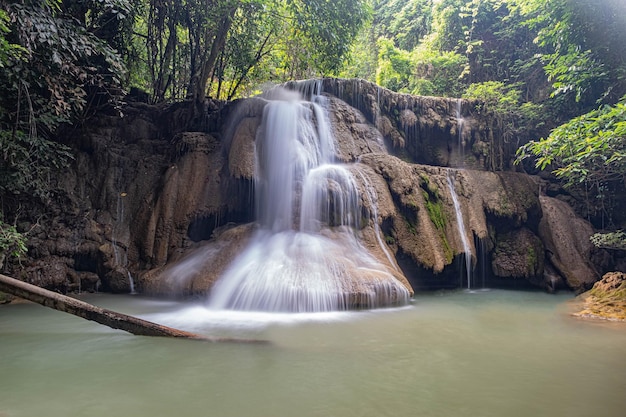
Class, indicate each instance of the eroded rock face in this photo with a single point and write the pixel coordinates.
(424, 228)
(425, 130)
(519, 254)
(149, 192)
(567, 241)
(195, 270)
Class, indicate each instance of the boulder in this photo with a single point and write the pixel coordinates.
(194, 271)
(566, 238)
(519, 254)
(606, 300)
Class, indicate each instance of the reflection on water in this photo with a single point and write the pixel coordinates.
(489, 353)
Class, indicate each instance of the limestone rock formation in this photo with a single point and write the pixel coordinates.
(498, 209)
(519, 254)
(194, 271)
(426, 130)
(607, 298)
(567, 241)
(152, 190)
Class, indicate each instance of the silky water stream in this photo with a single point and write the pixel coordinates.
(306, 255)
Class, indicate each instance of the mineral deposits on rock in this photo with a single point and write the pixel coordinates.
(151, 190)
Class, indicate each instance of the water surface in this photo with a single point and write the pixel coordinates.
(492, 353)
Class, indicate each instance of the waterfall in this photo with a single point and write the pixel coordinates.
(372, 198)
(119, 254)
(306, 255)
(467, 251)
(459, 127)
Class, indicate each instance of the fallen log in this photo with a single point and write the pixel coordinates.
(88, 311)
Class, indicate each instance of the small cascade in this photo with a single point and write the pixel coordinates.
(306, 255)
(131, 283)
(467, 251)
(459, 127)
(482, 262)
(119, 253)
(372, 199)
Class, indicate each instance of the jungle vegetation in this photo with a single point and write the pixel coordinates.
(551, 73)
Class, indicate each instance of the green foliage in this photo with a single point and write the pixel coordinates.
(588, 149)
(405, 22)
(612, 240)
(12, 242)
(8, 51)
(447, 28)
(250, 41)
(495, 96)
(52, 67)
(362, 59)
(329, 27)
(188, 48)
(62, 62)
(512, 119)
(583, 47)
(394, 67)
(438, 74)
(27, 164)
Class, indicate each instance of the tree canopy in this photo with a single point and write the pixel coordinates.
(534, 64)
(589, 148)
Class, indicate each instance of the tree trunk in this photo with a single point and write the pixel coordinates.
(206, 67)
(87, 311)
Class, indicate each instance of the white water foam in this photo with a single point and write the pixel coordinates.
(306, 256)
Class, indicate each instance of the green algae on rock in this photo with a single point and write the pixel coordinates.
(607, 299)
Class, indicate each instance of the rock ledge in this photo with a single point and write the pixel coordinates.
(607, 299)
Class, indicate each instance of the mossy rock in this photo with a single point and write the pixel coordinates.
(519, 254)
(607, 299)
(6, 298)
(436, 213)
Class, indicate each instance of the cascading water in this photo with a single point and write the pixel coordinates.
(120, 255)
(459, 127)
(467, 251)
(305, 256)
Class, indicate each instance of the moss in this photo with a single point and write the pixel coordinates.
(447, 250)
(5, 298)
(436, 213)
(605, 301)
(412, 205)
(433, 203)
(504, 209)
(411, 227)
(431, 190)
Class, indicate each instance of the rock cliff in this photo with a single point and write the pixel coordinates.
(162, 205)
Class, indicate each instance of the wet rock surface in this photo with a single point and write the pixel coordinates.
(567, 241)
(152, 189)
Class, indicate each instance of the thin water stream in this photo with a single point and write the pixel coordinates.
(492, 353)
(467, 250)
